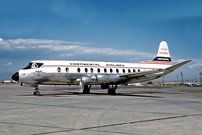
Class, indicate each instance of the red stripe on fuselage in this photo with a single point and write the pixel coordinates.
(156, 62)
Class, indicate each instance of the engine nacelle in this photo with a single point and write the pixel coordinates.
(107, 78)
(99, 79)
(85, 80)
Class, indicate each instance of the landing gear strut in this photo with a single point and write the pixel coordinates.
(112, 90)
(86, 89)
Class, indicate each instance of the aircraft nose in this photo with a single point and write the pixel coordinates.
(15, 76)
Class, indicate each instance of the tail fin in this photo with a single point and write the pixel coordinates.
(163, 56)
(163, 53)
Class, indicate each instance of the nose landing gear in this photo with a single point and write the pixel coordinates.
(36, 92)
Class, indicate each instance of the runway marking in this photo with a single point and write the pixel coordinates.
(110, 125)
(89, 130)
(141, 121)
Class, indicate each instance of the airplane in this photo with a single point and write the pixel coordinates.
(87, 73)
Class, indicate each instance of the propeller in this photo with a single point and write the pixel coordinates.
(95, 78)
(80, 84)
(83, 81)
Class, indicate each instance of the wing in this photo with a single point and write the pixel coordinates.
(172, 68)
(153, 74)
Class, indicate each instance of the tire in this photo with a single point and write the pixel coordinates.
(111, 92)
(37, 93)
(86, 89)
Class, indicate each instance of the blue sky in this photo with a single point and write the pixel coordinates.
(102, 30)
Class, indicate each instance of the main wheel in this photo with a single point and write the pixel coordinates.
(111, 91)
(86, 89)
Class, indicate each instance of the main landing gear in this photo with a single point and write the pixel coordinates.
(36, 92)
(86, 89)
(112, 89)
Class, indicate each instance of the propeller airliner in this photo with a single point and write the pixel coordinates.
(87, 73)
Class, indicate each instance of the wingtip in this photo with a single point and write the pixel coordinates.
(174, 67)
(188, 61)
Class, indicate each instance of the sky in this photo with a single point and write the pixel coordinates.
(100, 30)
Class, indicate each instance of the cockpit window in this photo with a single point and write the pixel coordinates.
(33, 65)
(28, 66)
(39, 64)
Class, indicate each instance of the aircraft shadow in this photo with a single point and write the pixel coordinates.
(96, 94)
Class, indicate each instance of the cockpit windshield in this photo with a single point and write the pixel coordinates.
(33, 65)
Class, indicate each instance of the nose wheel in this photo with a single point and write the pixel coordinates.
(36, 93)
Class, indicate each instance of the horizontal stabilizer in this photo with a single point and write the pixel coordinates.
(172, 68)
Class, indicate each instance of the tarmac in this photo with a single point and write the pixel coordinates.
(59, 110)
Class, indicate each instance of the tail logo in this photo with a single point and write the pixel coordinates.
(164, 49)
(163, 53)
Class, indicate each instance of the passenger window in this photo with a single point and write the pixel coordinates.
(117, 70)
(59, 69)
(105, 70)
(86, 70)
(78, 69)
(129, 71)
(98, 70)
(124, 71)
(91, 70)
(138, 70)
(67, 69)
(133, 70)
(111, 70)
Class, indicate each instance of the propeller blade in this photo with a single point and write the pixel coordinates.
(96, 81)
(95, 78)
(81, 86)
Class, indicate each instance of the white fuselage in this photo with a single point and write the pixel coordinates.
(66, 72)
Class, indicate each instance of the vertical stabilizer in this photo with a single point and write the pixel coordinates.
(163, 53)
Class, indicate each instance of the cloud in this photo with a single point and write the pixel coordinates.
(9, 63)
(195, 65)
(60, 48)
(103, 51)
(12, 44)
